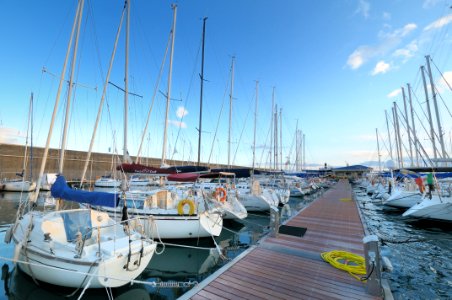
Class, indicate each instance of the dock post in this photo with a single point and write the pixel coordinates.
(373, 265)
(274, 220)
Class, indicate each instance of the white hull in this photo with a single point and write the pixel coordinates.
(107, 183)
(403, 199)
(436, 208)
(172, 226)
(56, 262)
(254, 203)
(17, 186)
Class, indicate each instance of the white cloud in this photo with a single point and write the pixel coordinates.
(388, 41)
(11, 136)
(181, 112)
(177, 123)
(445, 82)
(441, 22)
(363, 8)
(381, 67)
(394, 93)
(408, 51)
(386, 16)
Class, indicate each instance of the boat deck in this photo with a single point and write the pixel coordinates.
(290, 267)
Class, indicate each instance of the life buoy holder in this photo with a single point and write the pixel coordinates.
(182, 203)
(221, 194)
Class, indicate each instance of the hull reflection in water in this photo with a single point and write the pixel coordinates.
(19, 285)
(180, 262)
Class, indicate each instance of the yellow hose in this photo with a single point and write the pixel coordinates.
(352, 263)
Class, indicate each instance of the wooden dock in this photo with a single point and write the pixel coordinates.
(290, 267)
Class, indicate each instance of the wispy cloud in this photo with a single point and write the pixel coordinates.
(381, 67)
(11, 136)
(177, 123)
(445, 82)
(408, 51)
(386, 16)
(441, 22)
(388, 41)
(363, 8)
(181, 112)
(394, 93)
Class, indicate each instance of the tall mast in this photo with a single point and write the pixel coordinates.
(389, 136)
(126, 83)
(438, 121)
(271, 128)
(275, 148)
(407, 126)
(413, 128)
(31, 138)
(297, 150)
(202, 86)
(255, 123)
(230, 111)
(55, 108)
(102, 100)
(168, 94)
(303, 159)
(280, 137)
(397, 135)
(378, 150)
(432, 131)
(69, 93)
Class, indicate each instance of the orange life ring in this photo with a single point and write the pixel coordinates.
(221, 193)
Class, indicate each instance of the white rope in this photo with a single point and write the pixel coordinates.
(86, 287)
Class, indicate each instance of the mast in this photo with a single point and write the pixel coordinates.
(31, 138)
(396, 130)
(275, 148)
(55, 108)
(416, 150)
(255, 123)
(280, 137)
(389, 136)
(168, 94)
(69, 94)
(407, 126)
(271, 127)
(303, 158)
(202, 86)
(296, 147)
(438, 121)
(432, 131)
(230, 112)
(102, 100)
(378, 150)
(126, 83)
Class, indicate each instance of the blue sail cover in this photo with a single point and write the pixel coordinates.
(60, 189)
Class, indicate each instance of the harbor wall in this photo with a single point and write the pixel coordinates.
(12, 159)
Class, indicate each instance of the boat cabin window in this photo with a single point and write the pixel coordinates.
(132, 203)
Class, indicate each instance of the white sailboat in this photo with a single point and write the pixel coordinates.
(76, 248)
(21, 184)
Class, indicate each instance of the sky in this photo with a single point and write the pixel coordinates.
(331, 67)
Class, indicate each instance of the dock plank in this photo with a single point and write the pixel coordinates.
(290, 267)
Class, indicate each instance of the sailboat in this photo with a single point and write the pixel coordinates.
(171, 212)
(77, 248)
(21, 184)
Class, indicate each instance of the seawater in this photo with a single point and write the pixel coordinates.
(420, 251)
(182, 264)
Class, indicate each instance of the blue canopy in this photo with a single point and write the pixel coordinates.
(60, 189)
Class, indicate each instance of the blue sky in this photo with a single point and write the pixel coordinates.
(336, 66)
